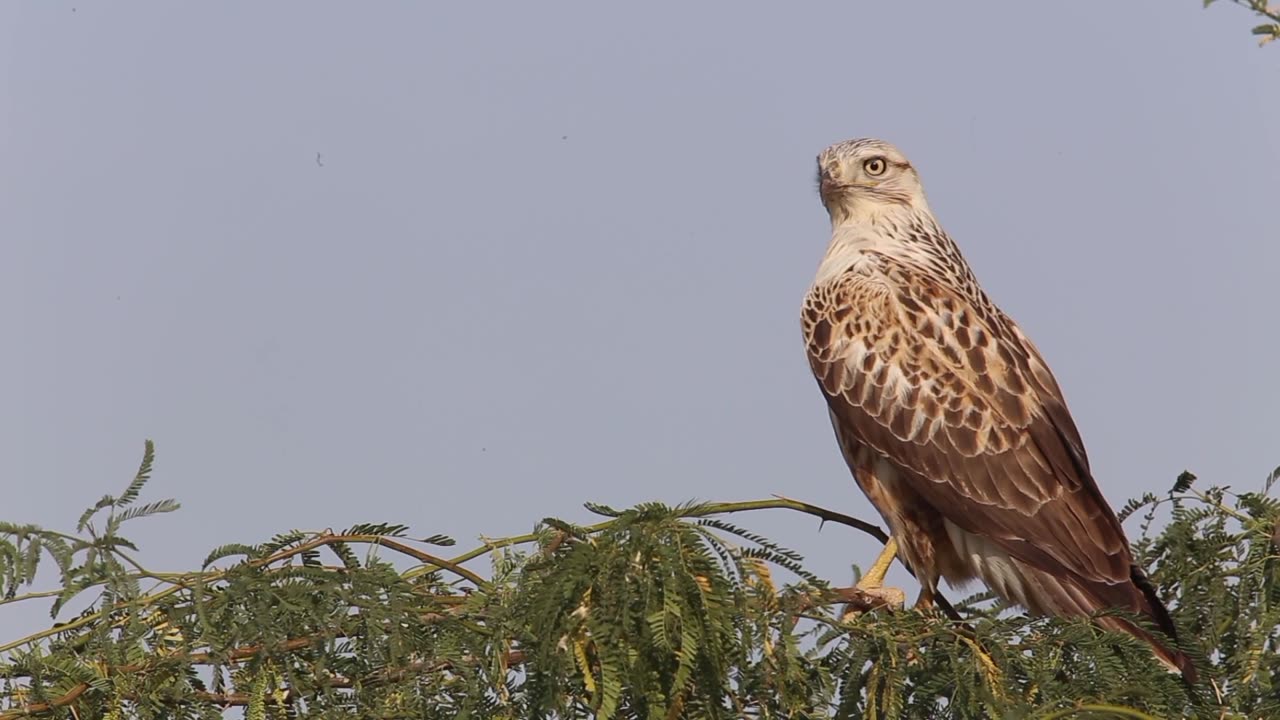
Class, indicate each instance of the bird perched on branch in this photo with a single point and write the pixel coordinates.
(950, 420)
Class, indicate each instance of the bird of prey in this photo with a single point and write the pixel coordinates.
(949, 418)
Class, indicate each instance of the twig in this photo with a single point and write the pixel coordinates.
(778, 503)
(1110, 711)
(785, 503)
(1214, 503)
(324, 539)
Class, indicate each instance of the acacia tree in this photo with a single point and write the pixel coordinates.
(653, 612)
(1269, 29)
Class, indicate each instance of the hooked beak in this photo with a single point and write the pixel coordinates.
(828, 188)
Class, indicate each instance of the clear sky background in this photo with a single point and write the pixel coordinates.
(555, 252)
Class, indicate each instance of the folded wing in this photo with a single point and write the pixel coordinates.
(948, 388)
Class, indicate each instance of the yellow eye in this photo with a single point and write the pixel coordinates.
(875, 166)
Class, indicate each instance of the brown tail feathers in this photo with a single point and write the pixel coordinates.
(1165, 650)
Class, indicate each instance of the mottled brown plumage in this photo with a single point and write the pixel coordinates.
(947, 415)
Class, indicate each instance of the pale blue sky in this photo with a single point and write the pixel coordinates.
(556, 251)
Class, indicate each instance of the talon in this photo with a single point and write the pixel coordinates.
(861, 599)
(870, 591)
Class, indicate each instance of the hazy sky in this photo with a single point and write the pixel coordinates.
(555, 252)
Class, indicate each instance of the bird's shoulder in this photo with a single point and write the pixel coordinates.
(847, 303)
(908, 312)
(926, 359)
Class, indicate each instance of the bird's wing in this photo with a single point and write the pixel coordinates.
(965, 404)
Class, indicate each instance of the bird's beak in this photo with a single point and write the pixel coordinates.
(827, 187)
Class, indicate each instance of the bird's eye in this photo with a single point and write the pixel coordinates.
(875, 166)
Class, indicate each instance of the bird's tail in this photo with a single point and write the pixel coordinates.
(1165, 649)
(1172, 658)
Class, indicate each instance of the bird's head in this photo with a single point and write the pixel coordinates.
(866, 177)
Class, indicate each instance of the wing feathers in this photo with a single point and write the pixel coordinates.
(963, 403)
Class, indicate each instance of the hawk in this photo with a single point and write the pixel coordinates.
(949, 418)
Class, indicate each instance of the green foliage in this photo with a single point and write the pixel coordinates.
(1267, 31)
(654, 612)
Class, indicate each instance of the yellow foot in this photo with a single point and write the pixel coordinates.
(875, 574)
(870, 591)
(859, 599)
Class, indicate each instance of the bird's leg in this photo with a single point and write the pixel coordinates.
(875, 576)
(870, 591)
(924, 603)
